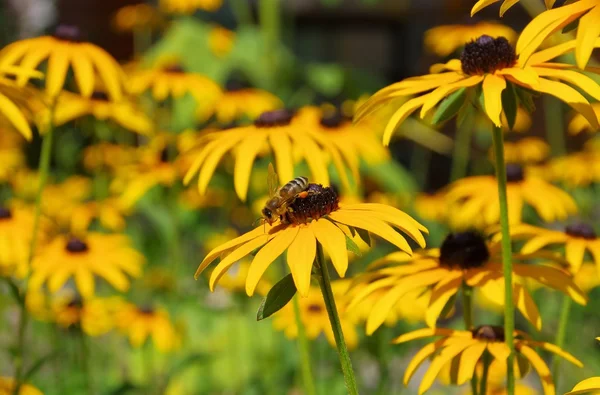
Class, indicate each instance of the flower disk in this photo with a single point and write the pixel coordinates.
(274, 118)
(465, 250)
(582, 230)
(488, 333)
(486, 55)
(319, 202)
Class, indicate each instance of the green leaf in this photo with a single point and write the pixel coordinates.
(38, 365)
(352, 247)
(14, 290)
(277, 298)
(465, 115)
(124, 388)
(364, 235)
(525, 99)
(185, 363)
(327, 79)
(509, 104)
(450, 106)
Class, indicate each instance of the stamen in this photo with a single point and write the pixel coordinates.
(319, 202)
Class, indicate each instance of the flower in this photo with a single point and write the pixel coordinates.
(7, 387)
(313, 314)
(431, 206)
(11, 154)
(444, 40)
(65, 49)
(587, 386)
(527, 150)
(576, 239)
(220, 41)
(298, 234)
(279, 130)
(579, 124)
(108, 156)
(506, 4)
(578, 169)
(109, 212)
(135, 17)
(464, 258)
(466, 348)
(473, 201)
(189, 6)
(139, 323)
(94, 316)
(16, 104)
(96, 254)
(491, 66)
(587, 277)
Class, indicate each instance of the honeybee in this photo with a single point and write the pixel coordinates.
(281, 198)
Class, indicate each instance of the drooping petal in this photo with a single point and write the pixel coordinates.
(245, 155)
(420, 357)
(553, 278)
(586, 386)
(481, 4)
(84, 74)
(282, 150)
(434, 97)
(492, 96)
(300, 257)
(541, 368)
(213, 158)
(574, 252)
(506, 6)
(468, 361)
(108, 69)
(400, 115)
(333, 241)
(524, 302)
(538, 242)
(524, 76)
(370, 288)
(58, 65)
(554, 349)
(587, 33)
(440, 296)
(427, 332)
(84, 280)
(14, 116)
(499, 350)
(314, 157)
(440, 360)
(580, 80)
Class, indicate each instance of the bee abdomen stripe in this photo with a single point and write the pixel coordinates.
(300, 182)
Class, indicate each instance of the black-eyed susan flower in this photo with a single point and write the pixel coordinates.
(108, 156)
(587, 277)
(528, 150)
(17, 104)
(109, 257)
(313, 314)
(11, 154)
(65, 50)
(220, 41)
(445, 39)
(283, 133)
(7, 387)
(487, 67)
(431, 206)
(506, 5)
(473, 201)
(467, 348)
(94, 316)
(579, 169)
(315, 218)
(576, 239)
(189, 6)
(109, 212)
(578, 124)
(142, 323)
(464, 258)
(137, 17)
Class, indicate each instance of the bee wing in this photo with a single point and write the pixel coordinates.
(272, 181)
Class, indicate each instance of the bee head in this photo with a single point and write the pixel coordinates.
(268, 215)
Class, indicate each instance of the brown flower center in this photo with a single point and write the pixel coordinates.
(314, 308)
(68, 33)
(175, 69)
(274, 118)
(236, 83)
(486, 55)
(75, 302)
(332, 120)
(100, 96)
(488, 333)
(5, 213)
(514, 173)
(465, 250)
(318, 202)
(146, 309)
(76, 245)
(582, 230)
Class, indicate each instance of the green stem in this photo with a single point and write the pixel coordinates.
(304, 348)
(484, 376)
(44, 170)
(419, 164)
(554, 125)
(85, 363)
(383, 344)
(467, 301)
(561, 335)
(462, 151)
(334, 319)
(509, 308)
(270, 24)
(242, 12)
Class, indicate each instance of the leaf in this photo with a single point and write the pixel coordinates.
(277, 298)
(509, 104)
(124, 388)
(525, 99)
(38, 365)
(450, 106)
(364, 236)
(14, 290)
(352, 247)
(465, 115)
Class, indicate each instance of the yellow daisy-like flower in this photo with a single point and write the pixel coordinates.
(17, 104)
(588, 386)
(488, 67)
(141, 323)
(576, 239)
(315, 218)
(108, 156)
(107, 256)
(466, 349)
(579, 124)
(444, 40)
(189, 6)
(135, 17)
(587, 277)
(431, 206)
(235, 280)
(11, 154)
(579, 169)
(220, 41)
(94, 316)
(91, 65)
(7, 387)
(528, 150)
(464, 258)
(109, 212)
(473, 201)
(313, 314)
(283, 133)
(506, 5)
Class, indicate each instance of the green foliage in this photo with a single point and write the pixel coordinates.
(277, 298)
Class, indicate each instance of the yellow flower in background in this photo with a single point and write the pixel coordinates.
(431, 206)
(462, 258)
(528, 150)
(92, 66)
(220, 41)
(579, 169)
(108, 156)
(11, 154)
(17, 104)
(107, 256)
(491, 65)
(283, 133)
(588, 386)
(522, 124)
(466, 348)
(313, 314)
(189, 6)
(94, 316)
(579, 124)
(587, 277)
(109, 212)
(136, 17)
(299, 236)
(143, 323)
(576, 239)
(473, 201)
(234, 280)
(506, 4)
(7, 387)
(445, 39)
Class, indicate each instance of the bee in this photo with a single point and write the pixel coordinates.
(280, 198)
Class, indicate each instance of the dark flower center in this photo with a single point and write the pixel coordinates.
(315, 308)
(318, 202)
(582, 230)
(146, 309)
(75, 302)
(68, 33)
(332, 119)
(464, 250)
(175, 68)
(274, 118)
(76, 245)
(489, 333)
(514, 173)
(100, 96)
(5, 213)
(164, 155)
(234, 84)
(486, 55)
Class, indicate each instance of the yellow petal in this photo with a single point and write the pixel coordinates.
(541, 368)
(199, 160)
(538, 242)
(333, 241)
(575, 251)
(452, 65)
(524, 302)
(14, 116)
(244, 158)
(267, 255)
(282, 150)
(506, 6)
(468, 361)
(108, 69)
(58, 65)
(557, 351)
(553, 278)
(587, 33)
(578, 79)
(434, 97)
(84, 74)
(523, 76)
(481, 4)
(500, 351)
(585, 386)
(400, 115)
(420, 357)
(426, 332)
(300, 257)
(32, 60)
(440, 296)
(492, 96)
(439, 361)
(84, 282)
(213, 159)
(313, 154)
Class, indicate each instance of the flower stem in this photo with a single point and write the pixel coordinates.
(303, 346)
(270, 24)
(509, 308)
(334, 319)
(484, 375)
(85, 362)
(467, 294)
(561, 335)
(419, 164)
(44, 170)
(462, 150)
(555, 131)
